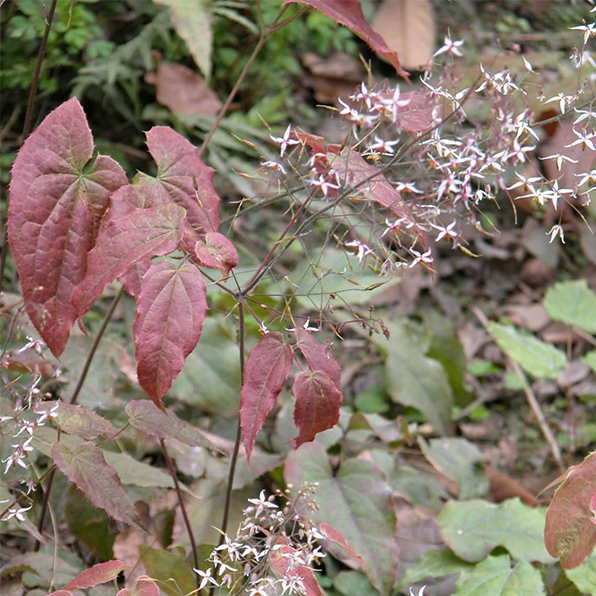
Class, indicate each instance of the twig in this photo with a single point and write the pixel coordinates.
(530, 397)
(191, 537)
(28, 118)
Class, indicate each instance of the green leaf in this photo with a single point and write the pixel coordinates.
(435, 562)
(353, 583)
(88, 523)
(495, 577)
(192, 20)
(174, 575)
(536, 357)
(461, 461)
(590, 360)
(572, 302)
(210, 379)
(415, 380)
(473, 528)
(584, 576)
(86, 466)
(356, 500)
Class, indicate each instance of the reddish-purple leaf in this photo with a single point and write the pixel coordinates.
(182, 178)
(78, 420)
(349, 14)
(569, 533)
(367, 180)
(284, 563)
(334, 535)
(98, 574)
(60, 593)
(87, 468)
(317, 405)
(217, 252)
(146, 416)
(318, 356)
(144, 586)
(417, 115)
(123, 242)
(171, 308)
(54, 214)
(265, 372)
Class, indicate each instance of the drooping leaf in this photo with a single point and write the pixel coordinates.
(572, 302)
(54, 213)
(217, 252)
(473, 528)
(570, 532)
(265, 372)
(357, 501)
(78, 420)
(495, 577)
(171, 308)
(318, 356)
(98, 574)
(349, 14)
(124, 242)
(88, 523)
(317, 405)
(169, 569)
(537, 357)
(368, 180)
(86, 467)
(192, 20)
(461, 461)
(283, 564)
(584, 575)
(144, 586)
(182, 178)
(146, 416)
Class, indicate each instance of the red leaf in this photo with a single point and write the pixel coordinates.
(171, 308)
(317, 405)
(349, 14)
(568, 533)
(334, 535)
(265, 372)
(217, 252)
(368, 180)
(181, 178)
(144, 586)
(87, 468)
(417, 115)
(78, 420)
(98, 574)
(60, 593)
(286, 565)
(146, 416)
(123, 242)
(318, 356)
(54, 214)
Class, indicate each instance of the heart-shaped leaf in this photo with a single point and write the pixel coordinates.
(171, 308)
(57, 199)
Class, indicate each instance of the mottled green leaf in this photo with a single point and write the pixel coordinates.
(435, 562)
(356, 500)
(584, 575)
(461, 461)
(175, 576)
(572, 302)
(537, 357)
(473, 528)
(496, 577)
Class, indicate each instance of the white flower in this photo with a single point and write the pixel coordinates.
(262, 504)
(448, 232)
(17, 513)
(324, 184)
(583, 139)
(363, 249)
(273, 165)
(424, 257)
(588, 29)
(559, 159)
(450, 47)
(420, 592)
(556, 231)
(385, 147)
(206, 578)
(284, 141)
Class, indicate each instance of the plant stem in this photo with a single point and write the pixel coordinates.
(74, 397)
(191, 537)
(28, 118)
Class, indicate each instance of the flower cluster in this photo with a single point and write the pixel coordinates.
(274, 551)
